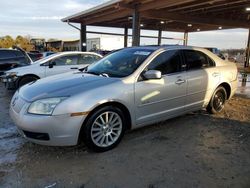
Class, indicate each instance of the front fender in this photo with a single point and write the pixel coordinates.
(87, 101)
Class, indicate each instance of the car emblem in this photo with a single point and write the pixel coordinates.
(14, 101)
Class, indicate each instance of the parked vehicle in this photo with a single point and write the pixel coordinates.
(217, 52)
(12, 58)
(35, 55)
(125, 90)
(45, 54)
(48, 66)
(101, 52)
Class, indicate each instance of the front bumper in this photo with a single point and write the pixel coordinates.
(62, 130)
(234, 86)
(10, 82)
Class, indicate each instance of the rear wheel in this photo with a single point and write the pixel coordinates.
(104, 129)
(26, 80)
(217, 101)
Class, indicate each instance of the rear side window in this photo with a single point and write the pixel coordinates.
(19, 54)
(7, 54)
(197, 60)
(88, 59)
(167, 62)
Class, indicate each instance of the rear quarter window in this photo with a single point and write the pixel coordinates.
(197, 60)
(18, 54)
(7, 54)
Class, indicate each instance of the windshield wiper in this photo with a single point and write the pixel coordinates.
(104, 74)
(83, 69)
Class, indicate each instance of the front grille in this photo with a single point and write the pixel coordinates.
(38, 136)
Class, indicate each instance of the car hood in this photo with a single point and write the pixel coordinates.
(23, 68)
(62, 85)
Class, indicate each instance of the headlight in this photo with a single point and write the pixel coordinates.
(45, 106)
(10, 74)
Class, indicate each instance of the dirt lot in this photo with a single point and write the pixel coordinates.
(195, 150)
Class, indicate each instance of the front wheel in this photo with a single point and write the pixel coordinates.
(104, 129)
(217, 101)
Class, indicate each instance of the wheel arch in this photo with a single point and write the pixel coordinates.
(227, 88)
(26, 75)
(119, 105)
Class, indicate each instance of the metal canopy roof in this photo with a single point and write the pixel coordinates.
(168, 15)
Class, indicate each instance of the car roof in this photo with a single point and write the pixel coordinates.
(77, 52)
(4, 49)
(166, 47)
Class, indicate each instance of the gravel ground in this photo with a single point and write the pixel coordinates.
(194, 150)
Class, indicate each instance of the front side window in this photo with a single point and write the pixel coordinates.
(167, 62)
(120, 63)
(88, 59)
(197, 60)
(66, 60)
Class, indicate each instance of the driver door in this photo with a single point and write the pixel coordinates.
(62, 64)
(158, 99)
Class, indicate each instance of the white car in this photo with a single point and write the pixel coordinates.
(54, 64)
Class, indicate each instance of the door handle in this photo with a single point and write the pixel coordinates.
(215, 74)
(74, 68)
(180, 81)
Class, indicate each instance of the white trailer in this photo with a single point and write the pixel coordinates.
(106, 43)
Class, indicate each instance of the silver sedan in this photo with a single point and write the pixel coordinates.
(127, 89)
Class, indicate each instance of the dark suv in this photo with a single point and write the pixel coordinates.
(12, 58)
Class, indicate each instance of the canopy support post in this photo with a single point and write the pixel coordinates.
(185, 42)
(125, 37)
(247, 51)
(136, 27)
(159, 36)
(83, 38)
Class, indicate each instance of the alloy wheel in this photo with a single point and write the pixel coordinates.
(106, 129)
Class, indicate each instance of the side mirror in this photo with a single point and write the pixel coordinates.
(152, 74)
(51, 64)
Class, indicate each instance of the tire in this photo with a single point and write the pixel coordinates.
(100, 133)
(217, 101)
(26, 80)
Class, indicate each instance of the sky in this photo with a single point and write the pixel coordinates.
(42, 18)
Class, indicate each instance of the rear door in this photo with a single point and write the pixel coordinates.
(158, 99)
(202, 77)
(62, 64)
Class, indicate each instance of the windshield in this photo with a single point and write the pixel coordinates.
(121, 63)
